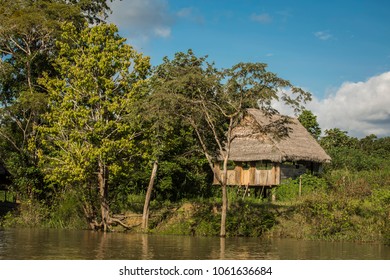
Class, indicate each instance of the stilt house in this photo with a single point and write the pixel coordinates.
(268, 148)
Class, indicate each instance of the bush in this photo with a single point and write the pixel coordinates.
(31, 213)
(246, 218)
(67, 212)
(289, 189)
(353, 158)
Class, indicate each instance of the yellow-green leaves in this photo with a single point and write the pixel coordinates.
(91, 102)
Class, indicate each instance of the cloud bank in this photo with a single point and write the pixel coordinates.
(142, 18)
(360, 108)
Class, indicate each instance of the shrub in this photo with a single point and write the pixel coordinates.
(289, 189)
(246, 218)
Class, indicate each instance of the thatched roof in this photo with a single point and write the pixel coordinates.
(274, 137)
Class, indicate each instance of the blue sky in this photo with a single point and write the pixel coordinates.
(338, 50)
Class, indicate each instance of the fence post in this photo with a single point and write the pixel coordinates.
(300, 185)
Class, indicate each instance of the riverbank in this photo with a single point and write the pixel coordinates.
(320, 215)
(351, 208)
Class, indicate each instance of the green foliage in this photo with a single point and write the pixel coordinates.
(67, 211)
(309, 121)
(335, 138)
(90, 103)
(369, 153)
(182, 173)
(213, 102)
(329, 216)
(354, 206)
(7, 196)
(249, 219)
(289, 189)
(31, 213)
(341, 216)
(353, 158)
(28, 33)
(76, 96)
(28, 30)
(375, 147)
(91, 124)
(202, 218)
(182, 178)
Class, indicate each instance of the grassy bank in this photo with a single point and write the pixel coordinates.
(245, 218)
(65, 213)
(340, 206)
(344, 206)
(354, 206)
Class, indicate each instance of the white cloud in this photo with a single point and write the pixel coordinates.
(323, 35)
(360, 108)
(141, 19)
(262, 18)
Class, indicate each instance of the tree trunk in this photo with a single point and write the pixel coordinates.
(225, 179)
(89, 215)
(224, 198)
(145, 215)
(224, 211)
(103, 190)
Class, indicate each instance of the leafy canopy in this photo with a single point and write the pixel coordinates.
(91, 103)
(309, 121)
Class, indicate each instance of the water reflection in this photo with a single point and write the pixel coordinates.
(67, 244)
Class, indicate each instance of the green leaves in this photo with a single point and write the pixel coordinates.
(91, 103)
(309, 121)
(337, 138)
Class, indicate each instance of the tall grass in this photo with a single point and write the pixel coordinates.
(354, 205)
(289, 189)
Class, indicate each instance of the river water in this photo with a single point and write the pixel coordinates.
(45, 244)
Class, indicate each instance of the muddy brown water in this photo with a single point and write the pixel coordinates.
(45, 244)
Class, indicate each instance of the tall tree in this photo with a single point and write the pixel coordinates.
(169, 144)
(26, 43)
(309, 121)
(336, 138)
(28, 31)
(213, 102)
(91, 124)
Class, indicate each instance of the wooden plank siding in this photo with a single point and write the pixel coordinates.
(244, 175)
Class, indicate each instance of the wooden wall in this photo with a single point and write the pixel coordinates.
(249, 174)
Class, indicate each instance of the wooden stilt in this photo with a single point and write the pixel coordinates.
(246, 191)
(300, 186)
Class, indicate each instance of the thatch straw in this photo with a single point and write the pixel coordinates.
(276, 138)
